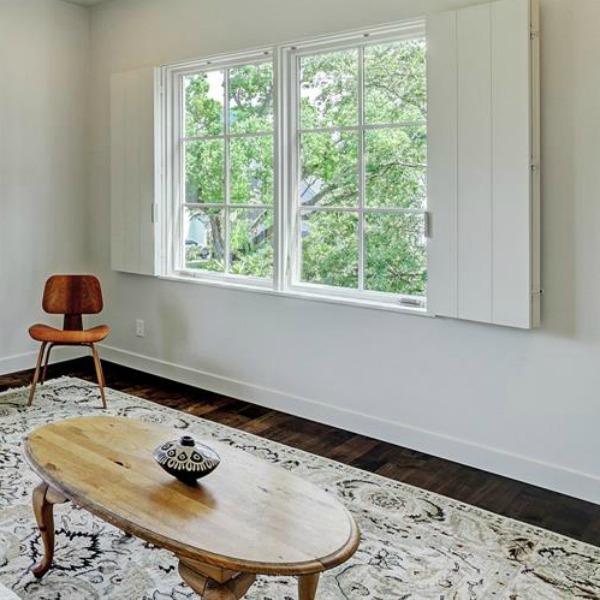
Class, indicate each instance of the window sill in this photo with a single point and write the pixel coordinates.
(300, 295)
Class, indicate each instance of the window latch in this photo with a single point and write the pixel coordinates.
(407, 301)
(427, 224)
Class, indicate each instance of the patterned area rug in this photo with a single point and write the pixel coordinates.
(6, 594)
(415, 544)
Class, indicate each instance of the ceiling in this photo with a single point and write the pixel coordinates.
(86, 2)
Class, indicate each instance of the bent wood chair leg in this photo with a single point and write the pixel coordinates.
(36, 375)
(44, 499)
(99, 373)
(307, 586)
(209, 589)
(46, 361)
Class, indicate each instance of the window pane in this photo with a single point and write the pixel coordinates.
(329, 248)
(396, 254)
(395, 82)
(205, 172)
(204, 235)
(396, 167)
(252, 170)
(329, 89)
(252, 238)
(251, 98)
(329, 169)
(204, 102)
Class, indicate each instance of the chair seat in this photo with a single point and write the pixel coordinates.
(45, 333)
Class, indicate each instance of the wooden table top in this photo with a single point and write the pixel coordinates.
(247, 515)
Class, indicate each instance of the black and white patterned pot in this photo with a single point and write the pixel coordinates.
(186, 459)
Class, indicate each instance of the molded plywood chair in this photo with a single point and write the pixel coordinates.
(71, 296)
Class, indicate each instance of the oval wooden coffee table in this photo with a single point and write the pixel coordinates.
(246, 518)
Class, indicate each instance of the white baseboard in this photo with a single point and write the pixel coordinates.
(522, 468)
(20, 362)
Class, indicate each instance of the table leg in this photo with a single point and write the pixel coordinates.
(307, 586)
(44, 499)
(209, 589)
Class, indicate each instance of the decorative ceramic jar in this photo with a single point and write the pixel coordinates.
(186, 459)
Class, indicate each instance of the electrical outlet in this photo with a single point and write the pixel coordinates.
(139, 328)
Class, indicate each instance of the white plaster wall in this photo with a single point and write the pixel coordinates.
(525, 404)
(44, 53)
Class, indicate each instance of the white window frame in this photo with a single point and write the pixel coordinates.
(172, 113)
(286, 147)
(291, 60)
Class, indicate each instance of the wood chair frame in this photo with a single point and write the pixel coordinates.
(71, 296)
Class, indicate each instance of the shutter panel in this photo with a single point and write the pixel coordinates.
(512, 226)
(134, 182)
(483, 127)
(442, 164)
(474, 164)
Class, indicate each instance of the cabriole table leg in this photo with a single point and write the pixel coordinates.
(44, 499)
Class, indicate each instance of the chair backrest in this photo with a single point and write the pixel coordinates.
(72, 295)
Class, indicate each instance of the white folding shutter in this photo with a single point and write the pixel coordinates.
(474, 164)
(134, 181)
(515, 227)
(484, 249)
(442, 163)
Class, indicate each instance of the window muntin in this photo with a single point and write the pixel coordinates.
(339, 209)
(227, 153)
(361, 159)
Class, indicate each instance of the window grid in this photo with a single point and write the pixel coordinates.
(226, 206)
(362, 210)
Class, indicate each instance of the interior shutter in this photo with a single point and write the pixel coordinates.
(134, 181)
(483, 164)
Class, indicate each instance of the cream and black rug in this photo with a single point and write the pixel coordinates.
(416, 545)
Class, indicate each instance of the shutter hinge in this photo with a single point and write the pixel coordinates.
(533, 34)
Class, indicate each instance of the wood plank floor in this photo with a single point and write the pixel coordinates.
(557, 512)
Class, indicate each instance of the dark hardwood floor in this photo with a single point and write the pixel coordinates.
(557, 512)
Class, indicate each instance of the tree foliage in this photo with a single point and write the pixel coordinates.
(392, 178)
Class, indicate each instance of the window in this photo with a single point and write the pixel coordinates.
(303, 170)
(360, 201)
(343, 169)
(225, 156)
